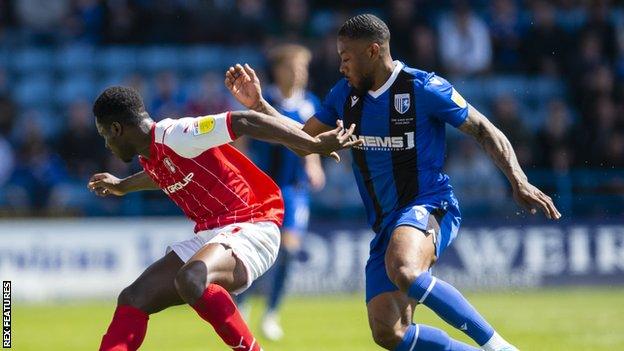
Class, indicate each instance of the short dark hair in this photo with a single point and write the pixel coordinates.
(365, 26)
(118, 104)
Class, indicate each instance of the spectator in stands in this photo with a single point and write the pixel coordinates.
(168, 100)
(121, 22)
(506, 116)
(209, 97)
(294, 23)
(601, 121)
(554, 139)
(475, 178)
(506, 32)
(546, 47)
(38, 169)
(250, 23)
(324, 67)
(7, 113)
(403, 15)
(464, 41)
(41, 19)
(599, 25)
(84, 24)
(423, 49)
(79, 145)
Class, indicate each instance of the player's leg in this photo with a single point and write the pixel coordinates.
(390, 314)
(270, 325)
(296, 215)
(228, 263)
(152, 292)
(409, 255)
(390, 319)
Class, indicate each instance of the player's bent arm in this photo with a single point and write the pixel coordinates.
(276, 129)
(104, 184)
(498, 147)
(139, 181)
(496, 144)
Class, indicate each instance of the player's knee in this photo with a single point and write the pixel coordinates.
(132, 296)
(386, 336)
(403, 275)
(191, 281)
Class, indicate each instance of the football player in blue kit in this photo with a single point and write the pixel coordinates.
(294, 175)
(400, 114)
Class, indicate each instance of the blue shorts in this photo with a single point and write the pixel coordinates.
(417, 216)
(296, 209)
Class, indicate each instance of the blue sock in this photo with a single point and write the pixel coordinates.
(450, 305)
(420, 337)
(279, 279)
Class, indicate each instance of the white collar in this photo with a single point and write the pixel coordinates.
(398, 66)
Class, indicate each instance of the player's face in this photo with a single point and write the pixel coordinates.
(292, 72)
(356, 62)
(115, 140)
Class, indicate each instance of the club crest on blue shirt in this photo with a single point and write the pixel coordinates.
(402, 102)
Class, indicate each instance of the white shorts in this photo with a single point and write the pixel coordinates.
(255, 244)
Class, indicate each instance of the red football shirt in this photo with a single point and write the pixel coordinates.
(212, 182)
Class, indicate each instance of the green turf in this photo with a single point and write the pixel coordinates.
(552, 320)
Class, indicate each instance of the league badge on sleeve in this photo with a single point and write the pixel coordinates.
(458, 99)
(203, 125)
(402, 102)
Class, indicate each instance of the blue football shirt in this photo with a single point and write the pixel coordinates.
(402, 125)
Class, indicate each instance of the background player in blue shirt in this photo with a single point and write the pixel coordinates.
(400, 115)
(293, 174)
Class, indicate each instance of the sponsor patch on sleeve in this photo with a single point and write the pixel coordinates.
(204, 125)
(458, 99)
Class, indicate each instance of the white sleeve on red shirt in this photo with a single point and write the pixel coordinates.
(191, 136)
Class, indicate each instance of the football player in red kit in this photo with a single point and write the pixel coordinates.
(236, 209)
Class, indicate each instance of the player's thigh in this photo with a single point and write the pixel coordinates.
(216, 263)
(389, 314)
(410, 252)
(154, 289)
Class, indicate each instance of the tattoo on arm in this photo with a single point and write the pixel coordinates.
(495, 144)
(263, 106)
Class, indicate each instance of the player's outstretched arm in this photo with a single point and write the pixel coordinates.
(274, 129)
(104, 184)
(498, 147)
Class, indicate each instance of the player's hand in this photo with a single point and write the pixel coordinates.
(532, 199)
(104, 184)
(244, 85)
(336, 139)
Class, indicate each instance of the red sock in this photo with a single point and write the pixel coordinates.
(126, 331)
(217, 308)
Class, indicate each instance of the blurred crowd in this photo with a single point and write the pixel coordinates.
(550, 74)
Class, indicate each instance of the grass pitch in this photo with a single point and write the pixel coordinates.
(545, 320)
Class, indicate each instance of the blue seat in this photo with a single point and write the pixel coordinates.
(159, 58)
(117, 60)
(77, 87)
(34, 90)
(32, 60)
(76, 58)
(199, 59)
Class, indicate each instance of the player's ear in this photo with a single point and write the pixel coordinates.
(373, 50)
(116, 129)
